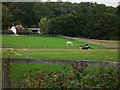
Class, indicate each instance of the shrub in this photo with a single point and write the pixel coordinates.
(74, 78)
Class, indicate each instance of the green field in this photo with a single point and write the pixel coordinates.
(40, 42)
(66, 54)
(50, 48)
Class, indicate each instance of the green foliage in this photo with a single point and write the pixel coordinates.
(86, 19)
(118, 10)
(74, 78)
(44, 24)
(89, 26)
(11, 53)
(22, 13)
(6, 17)
(0, 17)
(64, 25)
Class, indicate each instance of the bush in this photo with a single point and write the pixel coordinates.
(74, 78)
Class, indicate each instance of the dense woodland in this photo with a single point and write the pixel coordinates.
(85, 19)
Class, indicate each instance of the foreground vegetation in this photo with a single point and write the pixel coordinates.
(107, 78)
(19, 73)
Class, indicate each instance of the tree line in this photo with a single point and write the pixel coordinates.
(85, 19)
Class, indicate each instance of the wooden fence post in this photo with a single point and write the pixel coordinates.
(5, 73)
(80, 65)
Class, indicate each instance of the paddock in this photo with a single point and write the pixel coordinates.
(50, 48)
(42, 42)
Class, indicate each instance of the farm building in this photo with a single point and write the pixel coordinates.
(34, 30)
(18, 27)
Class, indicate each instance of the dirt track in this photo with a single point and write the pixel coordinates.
(106, 43)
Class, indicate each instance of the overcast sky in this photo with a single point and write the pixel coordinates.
(106, 2)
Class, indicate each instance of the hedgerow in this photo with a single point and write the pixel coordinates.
(74, 78)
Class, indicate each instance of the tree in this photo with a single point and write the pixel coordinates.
(6, 17)
(86, 19)
(22, 13)
(44, 24)
(118, 10)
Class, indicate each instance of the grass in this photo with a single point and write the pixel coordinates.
(40, 42)
(18, 71)
(67, 54)
(51, 48)
(23, 68)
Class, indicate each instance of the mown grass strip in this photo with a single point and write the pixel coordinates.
(65, 54)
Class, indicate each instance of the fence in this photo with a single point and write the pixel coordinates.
(39, 35)
(44, 35)
(77, 63)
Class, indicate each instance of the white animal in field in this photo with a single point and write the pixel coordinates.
(69, 43)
